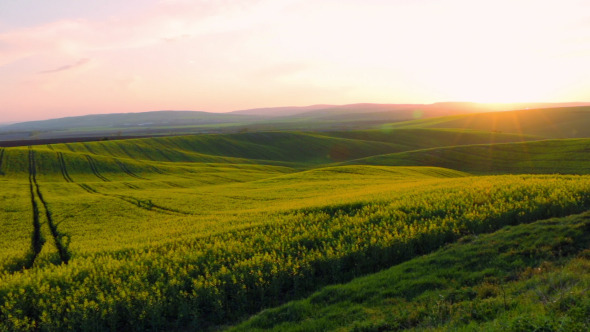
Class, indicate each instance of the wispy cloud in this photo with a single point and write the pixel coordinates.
(80, 63)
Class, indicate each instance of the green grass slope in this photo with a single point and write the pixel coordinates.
(567, 122)
(566, 156)
(151, 266)
(121, 121)
(413, 139)
(285, 147)
(151, 156)
(530, 277)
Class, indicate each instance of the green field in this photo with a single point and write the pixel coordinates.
(489, 282)
(563, 122)
(202, 232)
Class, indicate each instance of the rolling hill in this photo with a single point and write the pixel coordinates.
(200, 232)
(567, 122)
(568, 156)
(307, 118)
(468, 285)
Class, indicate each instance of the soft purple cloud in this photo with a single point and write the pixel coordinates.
(79, 63)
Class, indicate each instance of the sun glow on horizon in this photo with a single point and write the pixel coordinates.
(199, 55)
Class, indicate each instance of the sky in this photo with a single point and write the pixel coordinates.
(73, 57)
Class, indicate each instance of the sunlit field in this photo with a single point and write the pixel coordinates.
(186, 232)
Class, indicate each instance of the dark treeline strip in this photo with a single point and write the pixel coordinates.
(94, 169)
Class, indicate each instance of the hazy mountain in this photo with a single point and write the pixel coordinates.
(281, 111)
(143, 119)
(389, 112)
(307, 118)
(558, 122)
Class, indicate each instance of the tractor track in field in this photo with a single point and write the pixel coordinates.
(127, 171)
(70, 147)
(37, 240)
(62, 167)
(165, 156)
(172, 184)
(155, 169)
(94, 169)
(125, 151)
(87, 147)
(50, 147)
(139, 203)
(148, 155)
(130, 186)
(59, 238)
(142, 204)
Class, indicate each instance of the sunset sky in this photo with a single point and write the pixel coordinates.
(74, 57)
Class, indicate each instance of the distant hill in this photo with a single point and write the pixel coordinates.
(562, 122)
(281, 111)
(461, 115)
(145, 119)
(390, 111)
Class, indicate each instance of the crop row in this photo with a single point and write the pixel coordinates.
(220, 278)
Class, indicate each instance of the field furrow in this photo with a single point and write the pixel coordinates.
(94, 169)
(127, 153)
(156, 170)
(130, 186)
(145, 204)
(60, 239)
(199, 232)
(37, 239)
(63, 168)
(127, 170)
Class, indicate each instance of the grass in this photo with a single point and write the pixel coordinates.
(565, 122)
(566, 156)
(421, 138)
(199, 231)
(527, 277)
(200, 269)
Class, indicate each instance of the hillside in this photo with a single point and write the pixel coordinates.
(200, 232)
(526, 277)
(97, 254)
(412, 139)
(402, 111)
(123, 120)
(306, 118)
(566, 156)
(275, 148)
(567, 122)
(298, 149)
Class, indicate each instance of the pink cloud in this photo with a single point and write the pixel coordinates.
(79, 63)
